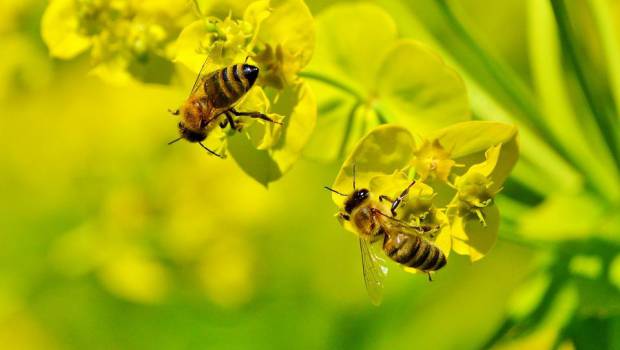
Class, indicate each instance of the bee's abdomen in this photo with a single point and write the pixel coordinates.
(226, 86)
(414, 251)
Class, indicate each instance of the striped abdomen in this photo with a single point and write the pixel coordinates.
(226, 86)
(413, 251)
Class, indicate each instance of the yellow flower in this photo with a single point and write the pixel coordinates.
(278, 37)
(474, 216)
(475, 189)
(432, 160)
(128, 39)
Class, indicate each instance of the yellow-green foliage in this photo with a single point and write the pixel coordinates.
(110, 239)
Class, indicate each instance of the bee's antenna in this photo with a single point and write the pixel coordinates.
(210, 151)
(354, 166)
(246, 59)
(175, 140)
(336, 192)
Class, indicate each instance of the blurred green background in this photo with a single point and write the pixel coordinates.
(110, 239)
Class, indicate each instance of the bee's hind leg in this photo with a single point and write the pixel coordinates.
(253, 115)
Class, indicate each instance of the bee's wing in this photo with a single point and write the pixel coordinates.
(200, 75)
(374, 272)
(391, 224)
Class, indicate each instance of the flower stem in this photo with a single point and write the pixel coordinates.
(347, 130)
(381, 115)
(333, 83)
(513, 88)
(603, 120)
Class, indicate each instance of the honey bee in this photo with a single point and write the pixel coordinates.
(211, 102)
(405, 244)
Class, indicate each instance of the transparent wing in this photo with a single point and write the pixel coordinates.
(374, 272)
(200, 75)
(391, 224)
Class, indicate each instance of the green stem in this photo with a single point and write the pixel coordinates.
(333, 83)
(603, 120)
(381, 115)
(520, 98)
(604, 19)
(512, 87)
(347, 130)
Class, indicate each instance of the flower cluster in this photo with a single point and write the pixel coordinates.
(278, 37)
(133, 40)
(458, 171)
(368, 75)
(128, 39)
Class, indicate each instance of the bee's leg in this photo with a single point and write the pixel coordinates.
(385, 198)
(234, 125)
(174, 112)
(400, 198)
(430, 279)
(224, 124)
(254, 115)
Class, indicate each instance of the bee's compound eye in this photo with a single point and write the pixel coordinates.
(363, 193)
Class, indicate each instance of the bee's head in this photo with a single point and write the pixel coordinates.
(250, 72)
(357, 198)
(191, 135)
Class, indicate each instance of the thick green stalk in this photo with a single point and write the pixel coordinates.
(603, 17)
(333, 83)
(603, 120)
(512, 87)
(347, 130)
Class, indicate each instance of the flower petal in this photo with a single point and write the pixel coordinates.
(298, 104)
(419, 90)
(351, 42)
(385, 149)
(59, 29)
(472, 237)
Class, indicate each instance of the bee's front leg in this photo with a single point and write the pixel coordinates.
(397, 201)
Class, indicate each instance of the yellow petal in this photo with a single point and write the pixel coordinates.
(352, 40)
(383, 151)
(298, 106)
(59, 29)
(419, 90)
